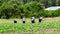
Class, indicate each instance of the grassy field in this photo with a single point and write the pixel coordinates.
(47, 26)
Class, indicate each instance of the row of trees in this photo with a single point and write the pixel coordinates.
(47, 3)
(26, 8)
(15, 9)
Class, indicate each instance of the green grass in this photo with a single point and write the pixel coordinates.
(29, 27)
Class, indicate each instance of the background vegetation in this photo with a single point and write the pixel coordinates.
(27, 8)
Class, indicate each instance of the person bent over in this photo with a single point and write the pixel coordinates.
(33, 20)
(15, 21)
(23, 20)
(40, 19)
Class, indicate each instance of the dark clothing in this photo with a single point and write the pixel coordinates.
(23, 21)
(15, 21)
(33, 21)
(40, 20)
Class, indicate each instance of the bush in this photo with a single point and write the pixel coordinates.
(52, 13)
(32, 9)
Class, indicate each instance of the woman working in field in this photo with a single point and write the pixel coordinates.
(33, 19)
(23, 19)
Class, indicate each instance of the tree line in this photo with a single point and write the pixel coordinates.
(46, 3)
(25, 8)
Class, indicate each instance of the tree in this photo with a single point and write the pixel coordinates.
(32, 8)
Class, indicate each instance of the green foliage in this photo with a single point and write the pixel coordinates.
(6, 27)
(16, 9)
(32, 9)
(51, 13)
(10, 9)
(58, 12)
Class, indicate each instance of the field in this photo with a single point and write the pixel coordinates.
(47, 26)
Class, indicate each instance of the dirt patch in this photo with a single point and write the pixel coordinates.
(11, 33)
(29, 20)
(17, 33)
(50, 30)
(47, 31)
(52, 19)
